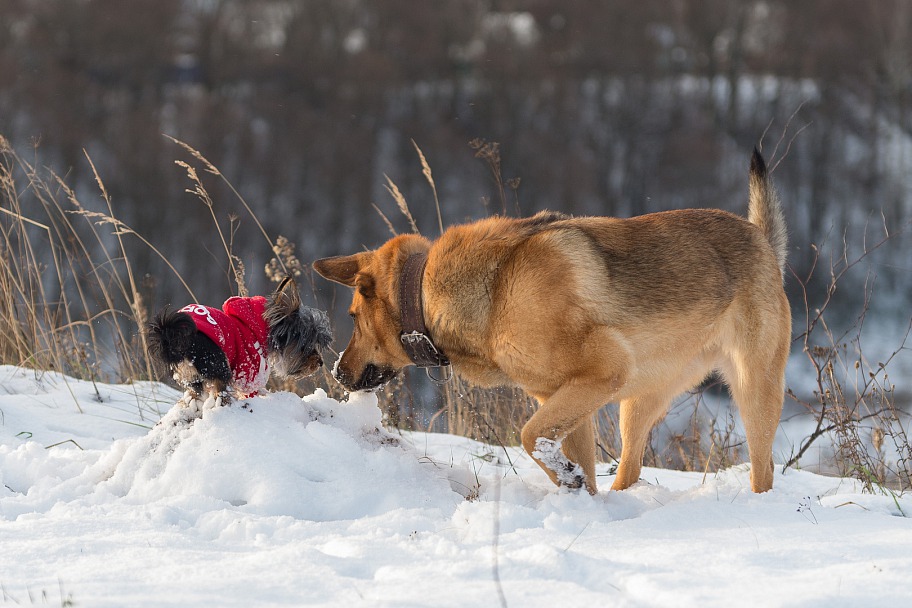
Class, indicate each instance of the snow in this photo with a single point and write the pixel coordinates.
(283, 501)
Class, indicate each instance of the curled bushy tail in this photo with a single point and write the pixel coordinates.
(171, 336)
(764, 209)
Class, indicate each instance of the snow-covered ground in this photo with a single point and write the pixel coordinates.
(290, 501)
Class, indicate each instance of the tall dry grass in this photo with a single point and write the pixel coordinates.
(854, 399)
(69, 300)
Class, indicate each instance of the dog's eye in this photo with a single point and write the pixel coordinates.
(365, 285)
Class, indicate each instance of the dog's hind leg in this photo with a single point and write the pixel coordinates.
(753, 366)
(757, 385)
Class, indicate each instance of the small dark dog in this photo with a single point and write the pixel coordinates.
(212, 351)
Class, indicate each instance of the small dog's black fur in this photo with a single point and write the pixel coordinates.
(173, 339)
(297, 334)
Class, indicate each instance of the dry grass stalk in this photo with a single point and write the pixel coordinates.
(851, 393)
(489, 152)
(393, 189)
(211, 168)
(386, 220)
(199, 190)
(426, 170)
(285, 263)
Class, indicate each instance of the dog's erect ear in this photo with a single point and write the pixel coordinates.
(286, 297)
(341, 269)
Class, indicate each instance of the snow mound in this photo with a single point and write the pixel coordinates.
(312, 458)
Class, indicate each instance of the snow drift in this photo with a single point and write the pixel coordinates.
(111, 496)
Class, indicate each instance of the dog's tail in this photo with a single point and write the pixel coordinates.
(764, 209)
(170, 336)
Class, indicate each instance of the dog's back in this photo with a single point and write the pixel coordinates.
(171, 335)
(621, 270)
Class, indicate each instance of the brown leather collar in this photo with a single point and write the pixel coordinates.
(415, 337)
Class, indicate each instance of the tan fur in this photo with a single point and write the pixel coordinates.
(581, 312)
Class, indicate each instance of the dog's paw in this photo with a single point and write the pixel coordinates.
(194, 405)
(189, 408)
(569, 474)
(190, 400)
(212, 401)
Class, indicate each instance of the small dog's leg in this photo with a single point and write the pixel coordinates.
(217, 392)
(188, 398)
(187, 376)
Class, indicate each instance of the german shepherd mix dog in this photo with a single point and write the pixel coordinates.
(580, 312)
(232, 351)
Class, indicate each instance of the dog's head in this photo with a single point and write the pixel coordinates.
(375, 353)
(297, 333)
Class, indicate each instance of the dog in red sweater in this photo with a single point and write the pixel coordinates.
(232, 351)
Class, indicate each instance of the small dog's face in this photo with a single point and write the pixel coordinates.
(375, 354)
(301, 366)
(297, 333)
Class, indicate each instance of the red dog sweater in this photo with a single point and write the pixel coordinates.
(241, 332)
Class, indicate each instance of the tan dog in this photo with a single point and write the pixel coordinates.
(580, 312)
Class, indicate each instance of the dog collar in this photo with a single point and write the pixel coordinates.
(415, 338)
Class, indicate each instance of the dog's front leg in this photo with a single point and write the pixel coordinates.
(217, 393)
(560, 436)
(570, 469)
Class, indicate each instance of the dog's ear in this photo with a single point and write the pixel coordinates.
(341, 269)
(286, 297)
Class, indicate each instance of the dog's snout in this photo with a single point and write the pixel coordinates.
(371, 377)
(313, 362)
(343, 376)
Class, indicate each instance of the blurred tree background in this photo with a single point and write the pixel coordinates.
(616, 107)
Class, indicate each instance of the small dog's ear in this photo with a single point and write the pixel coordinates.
(284, 302)
(286, 298)
(341, 269)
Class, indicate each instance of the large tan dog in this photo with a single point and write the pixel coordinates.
(580, 312)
